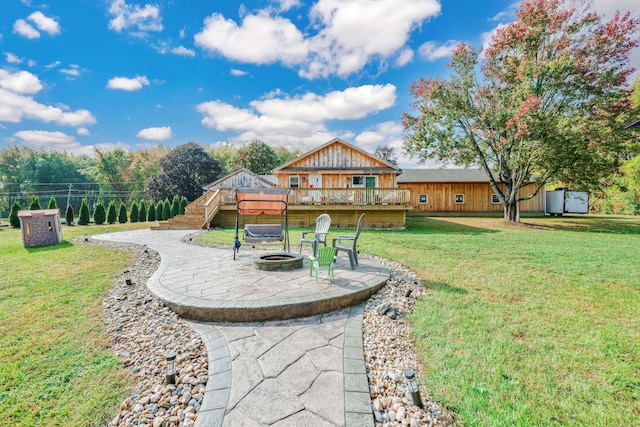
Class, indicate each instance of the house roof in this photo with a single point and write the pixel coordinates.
(335, 141)
(263, 178)
(443, 175)
(41, 212)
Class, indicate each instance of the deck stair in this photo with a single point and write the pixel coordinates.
(197, 215)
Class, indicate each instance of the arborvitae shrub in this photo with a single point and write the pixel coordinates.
(69, 215)
(159, 209)
(111, 213)
(13, 216)
(84, 213)
(151, 216)
(52, 203)
(183, 204)
(35, 204)
(175, 206)
(142, 215)
(100, 214)
(133, 214)
(122, 215)
(166, 210)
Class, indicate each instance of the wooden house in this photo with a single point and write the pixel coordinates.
(336, 178)
(460, 191)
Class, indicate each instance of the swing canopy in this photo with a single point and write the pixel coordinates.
(256, 201)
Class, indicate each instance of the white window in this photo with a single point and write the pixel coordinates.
(494, 199)
(459, 198)
(423, 199)
(294, 181)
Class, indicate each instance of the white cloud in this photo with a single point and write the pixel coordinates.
(608, 8)
(283, 120)
(20, 82)
(73, 70)
(11, 58)
(236, 72)
(508, 14)
(83, 132)
(404, 57)
(25, 29)
(142, 19)
(351, 32)
(124, 83)
(14, 107)
(183, 51)
(288, 4)
(52, 65)
(44, 23)
(60, 141)
(260, 39)
(433, 50)
(156, 134)
(343, 37)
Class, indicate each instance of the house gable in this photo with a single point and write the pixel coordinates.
(241, 178)
(337, 155)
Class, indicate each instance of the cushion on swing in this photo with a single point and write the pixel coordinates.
(262, 232)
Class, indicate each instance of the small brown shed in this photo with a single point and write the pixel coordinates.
(40, 227)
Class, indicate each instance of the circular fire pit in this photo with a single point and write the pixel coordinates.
(277, 261)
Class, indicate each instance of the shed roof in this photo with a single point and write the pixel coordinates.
(443, 175)
(41, 212)
(264, 178)
(636, 123)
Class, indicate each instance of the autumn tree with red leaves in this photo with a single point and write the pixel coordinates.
(546, 101)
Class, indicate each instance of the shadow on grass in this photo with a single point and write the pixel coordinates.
(48, 248)
(593, 224)
(444, 287)
(431, 225)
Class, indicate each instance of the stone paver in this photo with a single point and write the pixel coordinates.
(282, 372)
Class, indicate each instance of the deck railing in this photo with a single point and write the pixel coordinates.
(337, 196)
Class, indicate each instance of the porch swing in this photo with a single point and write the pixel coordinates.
(256, 201)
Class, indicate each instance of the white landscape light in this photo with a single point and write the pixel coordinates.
(170, 375)
(413, 387)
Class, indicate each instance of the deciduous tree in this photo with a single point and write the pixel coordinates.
(544, 104)
(184, 171)
(258, 157)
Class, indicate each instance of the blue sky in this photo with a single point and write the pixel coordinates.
(79, 74)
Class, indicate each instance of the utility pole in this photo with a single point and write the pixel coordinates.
(69, 195)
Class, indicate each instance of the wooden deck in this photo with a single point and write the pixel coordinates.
(384, 208)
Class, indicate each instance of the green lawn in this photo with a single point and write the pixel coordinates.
(524, 326)
(521, 326)
(55, 368)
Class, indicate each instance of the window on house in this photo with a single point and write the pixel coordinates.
(294, 182)
(423, 199)
(357, 181)
(459, 198)
(494, 199)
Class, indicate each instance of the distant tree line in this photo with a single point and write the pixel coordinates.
(158, 173)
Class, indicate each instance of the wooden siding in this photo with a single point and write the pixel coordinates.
(336, 179)
(337, 162)
(477, 198)
(345, 217)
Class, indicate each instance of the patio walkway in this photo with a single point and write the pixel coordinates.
(284, 350)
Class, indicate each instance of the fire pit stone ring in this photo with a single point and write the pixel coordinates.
(277, 261)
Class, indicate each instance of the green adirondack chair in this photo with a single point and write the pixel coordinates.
(326, 257)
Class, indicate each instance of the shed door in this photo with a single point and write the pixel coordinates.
(315, 180)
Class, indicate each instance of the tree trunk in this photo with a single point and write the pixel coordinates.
(511, 210)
